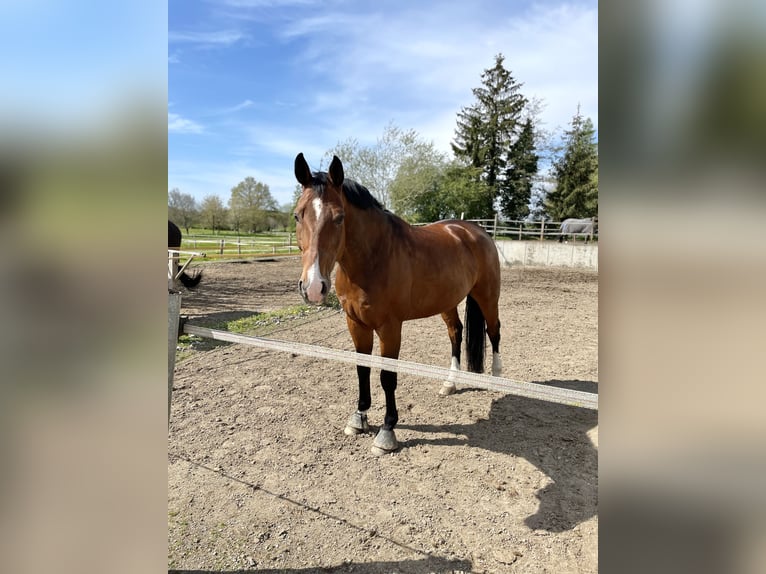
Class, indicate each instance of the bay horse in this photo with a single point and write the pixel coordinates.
(389, 272)
(174, 243)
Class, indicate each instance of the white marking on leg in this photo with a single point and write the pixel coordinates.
(448, 386)
(455, 366)
(497, 365)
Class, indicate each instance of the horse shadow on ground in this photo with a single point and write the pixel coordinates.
(424, 565)
(551, 436)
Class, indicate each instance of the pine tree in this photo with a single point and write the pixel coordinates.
(521, 167)
(487, 135)
(576, 173)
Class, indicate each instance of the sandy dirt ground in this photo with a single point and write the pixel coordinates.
(262, 479)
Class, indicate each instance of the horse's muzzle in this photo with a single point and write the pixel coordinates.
(315, 293)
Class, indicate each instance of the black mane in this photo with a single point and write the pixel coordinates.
(356, 193)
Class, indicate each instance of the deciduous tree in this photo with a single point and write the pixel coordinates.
(213, 212)
(249, 205)
(182, 208)
(376, 166)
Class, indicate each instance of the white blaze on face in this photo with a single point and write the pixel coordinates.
(314, 289)
(314, 276)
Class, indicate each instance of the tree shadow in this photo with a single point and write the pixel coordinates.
(424, 565)
(551, 436)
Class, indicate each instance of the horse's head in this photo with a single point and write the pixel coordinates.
(319, 218)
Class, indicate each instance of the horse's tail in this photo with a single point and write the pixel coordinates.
(191, 281)
(474, 335)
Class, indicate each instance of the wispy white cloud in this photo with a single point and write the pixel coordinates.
(214, 38)
(241, 106)
(551, 50)
(268, 3)
(203, 178)
(180, 125)
(283, 140)
(347, 71)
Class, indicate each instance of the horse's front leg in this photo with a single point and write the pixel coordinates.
(362, 337)
(390, 341)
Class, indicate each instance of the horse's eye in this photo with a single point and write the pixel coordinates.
(338, 219)
(297, 219)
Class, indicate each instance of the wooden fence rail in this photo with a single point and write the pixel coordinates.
(238, 245)
(285, 244)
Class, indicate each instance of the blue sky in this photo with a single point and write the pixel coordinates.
(251, 83)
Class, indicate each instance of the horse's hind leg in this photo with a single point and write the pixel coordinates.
(362, 337)
(493, 331)
(455, 330)
(488, 301)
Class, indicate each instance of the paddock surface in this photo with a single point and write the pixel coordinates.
(262, 479)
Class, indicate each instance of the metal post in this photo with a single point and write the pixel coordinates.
(174, 310)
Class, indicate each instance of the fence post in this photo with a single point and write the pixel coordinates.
(172, 269)
(494, 228)
(174, 310)
(542, 229)
(520, 225)
(220, 250)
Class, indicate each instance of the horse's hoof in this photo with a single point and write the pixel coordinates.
(357, 424)
(385, 442)
(447, 389)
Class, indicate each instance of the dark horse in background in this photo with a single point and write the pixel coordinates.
(574, 226)
(389, 272)
(174, 242)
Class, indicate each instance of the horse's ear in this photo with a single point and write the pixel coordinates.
(302, 171)
(336, 171)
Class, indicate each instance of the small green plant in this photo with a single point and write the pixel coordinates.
(332, 301)
(253, 323)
